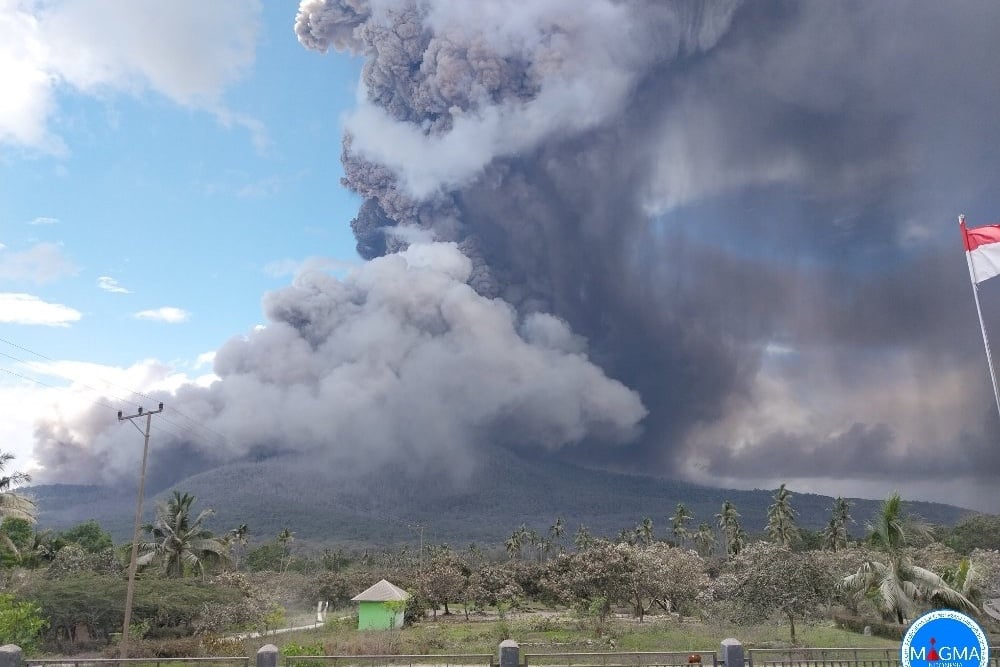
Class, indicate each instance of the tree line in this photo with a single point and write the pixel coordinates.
(193, 581)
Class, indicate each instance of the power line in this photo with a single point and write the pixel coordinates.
(194, 423)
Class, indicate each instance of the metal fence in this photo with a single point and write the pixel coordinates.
(139, 662)
(620, 659)
(443, 660)
(834, 657)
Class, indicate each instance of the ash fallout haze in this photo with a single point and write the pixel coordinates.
(713, 241)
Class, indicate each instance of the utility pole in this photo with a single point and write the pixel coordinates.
(133, 564)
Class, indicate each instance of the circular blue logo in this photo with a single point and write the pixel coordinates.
(945, 638)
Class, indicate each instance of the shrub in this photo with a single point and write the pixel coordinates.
(21, 623)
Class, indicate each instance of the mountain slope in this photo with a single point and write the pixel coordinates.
(380, 508)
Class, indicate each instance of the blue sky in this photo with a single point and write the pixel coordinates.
(143, 220)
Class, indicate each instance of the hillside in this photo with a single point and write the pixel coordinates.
(330, 506)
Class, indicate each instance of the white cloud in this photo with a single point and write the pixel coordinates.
(295, 267)
(167, 314)
(44, 221)
(109, 284)
(41, 263)
(204, 359)
(186, 50)
(16, 308)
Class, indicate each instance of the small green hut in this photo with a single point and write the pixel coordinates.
(381, 607)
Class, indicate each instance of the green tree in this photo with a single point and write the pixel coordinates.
(732, 531)
(13, 504)
(893, 582)
(781, 518)
(21, 623)
(88, 535)
(678, 524)
(179, 542)
(15, 539)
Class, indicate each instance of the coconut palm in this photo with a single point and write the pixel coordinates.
(704, 540)
(237, 539)
(678, 525)
(644, 531)
(179, 542)
(781, 518)
(285, 539)
(12, 504)
(894, 583)
(835, 533)
(729, 523)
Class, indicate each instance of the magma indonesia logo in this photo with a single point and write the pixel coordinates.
(945, 638)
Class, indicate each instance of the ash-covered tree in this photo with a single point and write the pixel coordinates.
(771, 578)
(493, 586)
(443, 579)
(660, 574)
(592, 579)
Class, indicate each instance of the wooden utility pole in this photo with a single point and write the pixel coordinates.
(133, 562)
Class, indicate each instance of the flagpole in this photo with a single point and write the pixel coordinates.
(979, 311)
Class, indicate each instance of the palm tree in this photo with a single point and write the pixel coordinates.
(13, 504)
(894, 583)
(644, 531)
(556, 531)
(285, 539)
(583, 539)
(835, 533)
(781, 518)
(237, 537)
(678, 525)
(729, 523)
(513, 544)
(179, 542)
(704, 540)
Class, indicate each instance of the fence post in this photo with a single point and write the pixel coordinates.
(11, 656)
(267, 656)
(732, 652)
(510, 653)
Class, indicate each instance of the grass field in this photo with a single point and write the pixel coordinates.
(541, 633)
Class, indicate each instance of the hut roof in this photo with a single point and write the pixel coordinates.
(383, 591)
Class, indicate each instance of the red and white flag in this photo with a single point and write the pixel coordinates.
(982, 245)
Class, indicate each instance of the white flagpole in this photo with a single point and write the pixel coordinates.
(979, 311)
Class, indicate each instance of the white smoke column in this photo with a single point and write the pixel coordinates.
(402, 360)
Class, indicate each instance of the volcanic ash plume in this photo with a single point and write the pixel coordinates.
(400, 361)
(702, 192)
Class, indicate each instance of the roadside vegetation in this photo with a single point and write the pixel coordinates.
(682, 587)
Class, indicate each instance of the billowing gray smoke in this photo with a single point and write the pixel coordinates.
(745, 212)
(402, 360)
